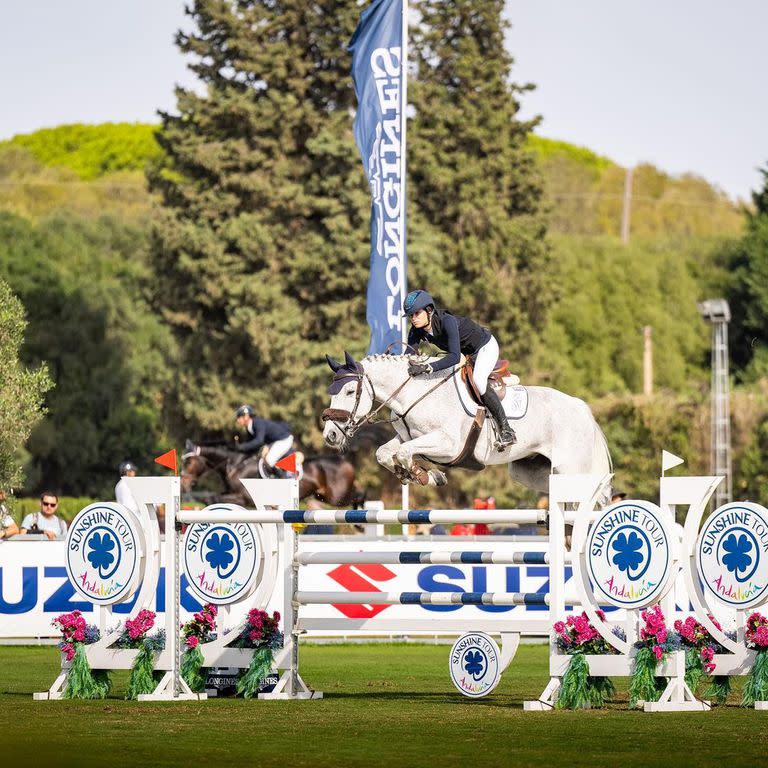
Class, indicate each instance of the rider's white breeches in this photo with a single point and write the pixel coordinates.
(278, 449)
(487, 357)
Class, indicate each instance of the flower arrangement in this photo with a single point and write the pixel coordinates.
(82, 681)
(262, 633)
(143, 678)
(655, 644)
(756, 637)
(700, 649)
(199, 629)
(578, 637)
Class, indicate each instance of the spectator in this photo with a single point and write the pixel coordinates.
(618, 496)
(8, 525)
(46, 521)
(476, 529)
(123, 494)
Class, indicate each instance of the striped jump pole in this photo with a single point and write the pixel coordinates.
(369, 516)
(425, 558)
(422, 598)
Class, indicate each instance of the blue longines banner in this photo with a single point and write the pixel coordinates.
(379, 74)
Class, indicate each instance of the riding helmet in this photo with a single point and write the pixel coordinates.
(417, 300)
(127, 466)
(244, 410)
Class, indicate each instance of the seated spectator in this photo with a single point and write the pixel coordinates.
(475, 529)
(46, 521)
(8, 525)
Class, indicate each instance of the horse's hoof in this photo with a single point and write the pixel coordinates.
(438, 477)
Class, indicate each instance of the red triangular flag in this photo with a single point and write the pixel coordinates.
(288, 463)
(168, 459)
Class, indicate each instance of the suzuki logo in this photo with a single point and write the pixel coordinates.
(354, 578)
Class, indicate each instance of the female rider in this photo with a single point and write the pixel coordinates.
(457, 335)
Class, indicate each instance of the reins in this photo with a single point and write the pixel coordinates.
(352, 425)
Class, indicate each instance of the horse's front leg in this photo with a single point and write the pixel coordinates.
(385, 454)
(435, 446)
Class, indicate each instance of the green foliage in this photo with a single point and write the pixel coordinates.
(593, 339)
(91, 151)
(30, 189)
(21, 390)
(82, 284)
(747, 261)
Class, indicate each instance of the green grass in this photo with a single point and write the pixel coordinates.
(384, 705)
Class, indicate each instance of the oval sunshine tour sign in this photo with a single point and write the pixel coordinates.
(732, 555)
(221, 560)
(103, 553)
(629, 553)
(475, 664)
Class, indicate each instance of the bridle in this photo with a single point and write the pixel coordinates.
(351, 424)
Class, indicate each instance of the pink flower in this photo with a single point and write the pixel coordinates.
(707, 654)
(559, 627)
(657, 652)
(68, 650)
(79, 635)
(192, 641)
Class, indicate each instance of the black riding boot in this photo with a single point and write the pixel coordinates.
(496, 409)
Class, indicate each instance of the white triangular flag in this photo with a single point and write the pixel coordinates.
(669, 460)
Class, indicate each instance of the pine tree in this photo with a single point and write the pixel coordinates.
(261, 240)
(471, 177)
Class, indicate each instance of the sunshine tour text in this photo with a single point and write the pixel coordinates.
(243, 531)
(105, 517)
(472, 641)
(622, 516)
(742, 517)
(386, 69)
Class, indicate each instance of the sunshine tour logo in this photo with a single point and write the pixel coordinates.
(732, 554)
(474, 664)
(103, 552)
(628, 554)
(221, 560)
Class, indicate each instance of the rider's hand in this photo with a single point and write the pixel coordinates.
(416, 369)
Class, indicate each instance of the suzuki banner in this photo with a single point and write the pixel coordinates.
(378, 68)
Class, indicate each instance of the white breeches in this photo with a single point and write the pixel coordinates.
(278, 449)
(487, 357)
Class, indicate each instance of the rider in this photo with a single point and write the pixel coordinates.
(276, 434)
(457, 335)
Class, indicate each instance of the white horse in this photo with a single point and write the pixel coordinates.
(433, 416)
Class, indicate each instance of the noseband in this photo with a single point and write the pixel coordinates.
(346, 421)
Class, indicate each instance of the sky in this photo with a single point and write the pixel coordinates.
(676, 83)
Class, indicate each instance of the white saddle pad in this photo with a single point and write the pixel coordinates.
(515, 402)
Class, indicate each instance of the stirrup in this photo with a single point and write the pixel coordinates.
(505, 440)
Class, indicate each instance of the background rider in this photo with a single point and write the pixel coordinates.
(276, 434)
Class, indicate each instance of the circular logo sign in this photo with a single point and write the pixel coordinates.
(732, 555)
(474, 664)
(629, 554)
(221, 560)
(104, 547)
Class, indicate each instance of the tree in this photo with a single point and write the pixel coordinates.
(82, 284)
(748, 290)
(261, 238)
(471, 176)
(21, 390)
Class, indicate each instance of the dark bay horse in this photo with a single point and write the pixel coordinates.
(331, 479)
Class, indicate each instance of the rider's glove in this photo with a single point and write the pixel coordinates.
(416, 369)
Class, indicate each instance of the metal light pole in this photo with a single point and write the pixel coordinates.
(718, 313)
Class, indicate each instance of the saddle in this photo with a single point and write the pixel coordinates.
(499, 379)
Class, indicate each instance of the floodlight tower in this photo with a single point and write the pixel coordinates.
(718, 313)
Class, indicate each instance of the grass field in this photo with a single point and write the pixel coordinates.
(384, 705)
